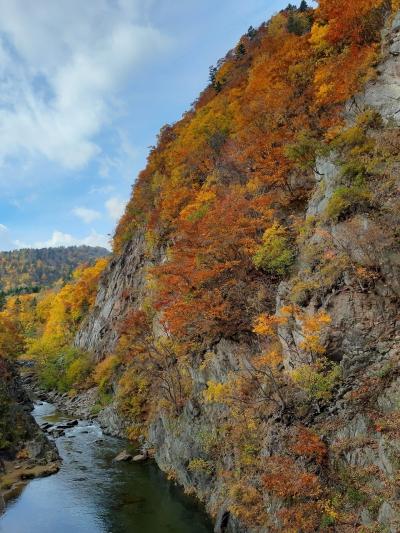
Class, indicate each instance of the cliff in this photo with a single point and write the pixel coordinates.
(309, 442)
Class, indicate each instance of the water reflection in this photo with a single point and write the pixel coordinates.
(93, 494)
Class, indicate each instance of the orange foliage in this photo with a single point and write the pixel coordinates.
(338, 79)
(299, 489)
(355, 22)
(199, 191)
(308, 444)
(215, 182)
(268, 324)
(287, 480)
(210, 274)
(345, 34)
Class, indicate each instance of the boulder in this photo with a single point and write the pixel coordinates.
(69, 424)
(123, 456)
(139, 458)
(57, 432)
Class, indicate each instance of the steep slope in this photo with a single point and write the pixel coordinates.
(247, 324)
(30, 268)
(120, 289)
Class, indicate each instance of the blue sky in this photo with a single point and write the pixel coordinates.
(84, 89)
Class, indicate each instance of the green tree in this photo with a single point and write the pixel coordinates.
(251, 32)
(274, 255)
(303, 6)
(240, 50)
(298, 23)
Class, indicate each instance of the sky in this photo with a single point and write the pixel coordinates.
(85, 87)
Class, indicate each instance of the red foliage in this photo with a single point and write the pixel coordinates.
(210, 279)
(308, 444)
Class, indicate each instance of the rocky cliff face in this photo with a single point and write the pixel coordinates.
(365, 320)
(360, 421)
(120, 289)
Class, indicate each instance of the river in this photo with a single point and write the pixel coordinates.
(94, 494)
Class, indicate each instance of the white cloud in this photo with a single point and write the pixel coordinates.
(87, 215)
(106, 189)
(62, 64)
(59, 238)
(115, 207)
(3, 228)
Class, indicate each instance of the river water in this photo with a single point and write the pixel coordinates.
(93, 494)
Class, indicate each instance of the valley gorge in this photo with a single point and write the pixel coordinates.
(245, 332)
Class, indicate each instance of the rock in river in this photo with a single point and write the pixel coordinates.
(123, 456)
(139, 458)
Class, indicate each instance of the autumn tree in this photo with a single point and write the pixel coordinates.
(210, 275)
(11, 340)
(60, 314)
(160, 360)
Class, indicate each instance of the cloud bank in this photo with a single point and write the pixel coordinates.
(61, 66)
(115, 207)
(59, 238)
(86, 215)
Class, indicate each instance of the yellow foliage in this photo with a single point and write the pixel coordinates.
(272, 358)
(105, 369)
(267, 324)
(317, 379)
(11, 341)
(313, 327)
(289, 310)
(216, 392)
(62, 311)
(329, 510)
(202, 201)
(277, 25)
(318, 37)
(274, 255)
(248, 503)
(78, 370)
(198, 464)
(132, 393)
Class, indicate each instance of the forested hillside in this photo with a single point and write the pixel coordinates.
(245, 329)
(30, 269)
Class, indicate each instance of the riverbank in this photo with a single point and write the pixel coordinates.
(26, 453)
(83, 405)
(18, 473)
(92, 493)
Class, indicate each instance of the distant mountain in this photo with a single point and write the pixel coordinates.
(28, 270)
